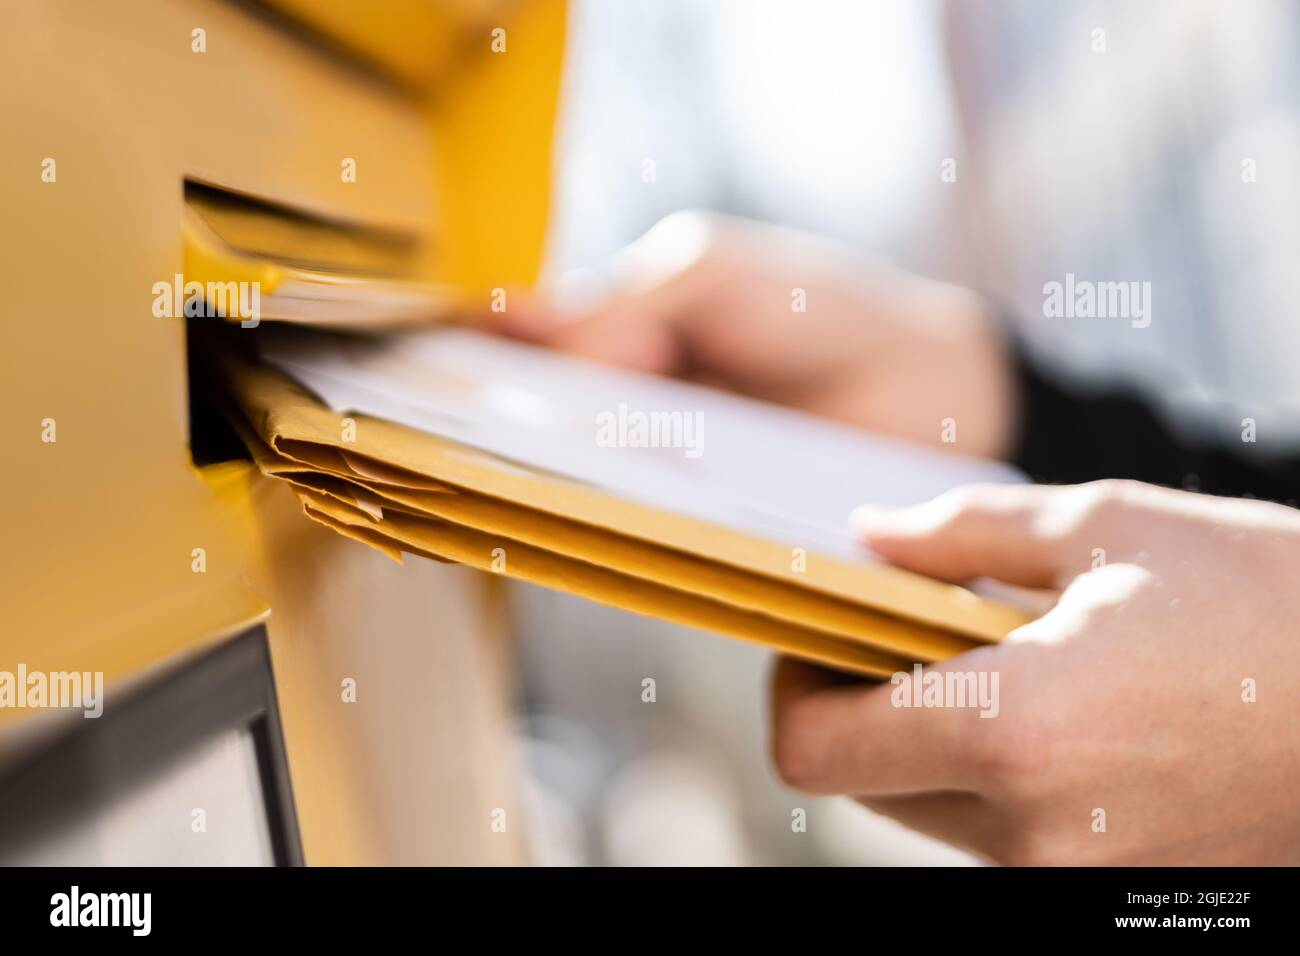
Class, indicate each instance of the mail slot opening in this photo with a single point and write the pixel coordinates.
(212, 439)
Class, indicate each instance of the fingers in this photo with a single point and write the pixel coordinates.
(642, 336)
(833, 736)
(659, 282)
(1029, 535)
(528, 316)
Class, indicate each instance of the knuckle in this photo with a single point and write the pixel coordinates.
(959, 506)
(1108, 496)
(964, 498)
(989, 754)
(1093, 509)
(1004, 756)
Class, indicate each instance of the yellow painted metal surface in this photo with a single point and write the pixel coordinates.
(494, 132)
(418, 42)
(104, 525)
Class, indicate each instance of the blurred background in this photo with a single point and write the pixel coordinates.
(1155, 141)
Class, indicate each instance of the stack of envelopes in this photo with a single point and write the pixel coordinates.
(399, 490)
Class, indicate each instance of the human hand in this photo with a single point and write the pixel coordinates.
(1130, 703)
(717, 299)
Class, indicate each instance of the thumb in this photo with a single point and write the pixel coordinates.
(1020, 534)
